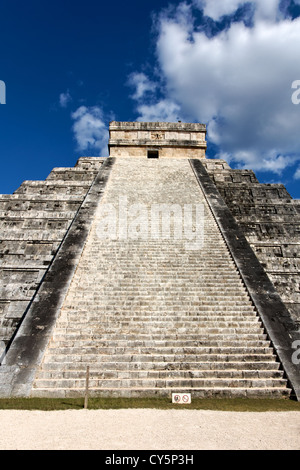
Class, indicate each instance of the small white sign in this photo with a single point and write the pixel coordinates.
(181, 398)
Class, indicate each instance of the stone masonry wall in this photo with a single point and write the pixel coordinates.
(270, 220)
(172, 140)
(33, 222)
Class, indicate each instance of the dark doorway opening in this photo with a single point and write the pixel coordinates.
(152, 154)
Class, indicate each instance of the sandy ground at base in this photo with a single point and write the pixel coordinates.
(148, 429)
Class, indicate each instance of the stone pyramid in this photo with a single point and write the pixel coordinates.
(158, 269)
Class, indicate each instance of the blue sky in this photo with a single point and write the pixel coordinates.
(70, 67)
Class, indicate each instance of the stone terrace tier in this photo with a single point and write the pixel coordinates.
(33, 222)
(270, 220)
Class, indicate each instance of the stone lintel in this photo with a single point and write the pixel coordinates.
(195, 127)
(158, 143)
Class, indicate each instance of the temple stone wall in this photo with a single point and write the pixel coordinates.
(165, 152)
(270, 220)
(175, 140)
(33, 223)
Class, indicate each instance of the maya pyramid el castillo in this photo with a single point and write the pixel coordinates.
(157, 268)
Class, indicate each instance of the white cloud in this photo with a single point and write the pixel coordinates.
(161, 111)
(267, 9)
(148, 107)
(297, 174)
(268, 161)
(216, 9)
(90, 130)
(238, 82)
(65, 99)
(142, 85)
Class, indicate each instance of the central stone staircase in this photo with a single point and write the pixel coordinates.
(151, 316)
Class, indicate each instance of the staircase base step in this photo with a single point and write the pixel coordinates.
(275, 393)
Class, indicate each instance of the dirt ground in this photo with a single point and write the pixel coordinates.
(148, 429)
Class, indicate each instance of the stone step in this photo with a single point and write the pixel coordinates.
(157, 308)
(135, 329)
(150, 268)
(164, 350)
(38, 214)
(78, 336)
(195, 278)
(162, 365)
(196, 392)
(152, 278)
(172, 258)
(166, 260)
(205, 309)
(212, 314)
(163, 383)
(204, 357)
(127, 287)
(95, 374)
(158, 256)
(149, 321)
(144, 313)
(168, 302)
(176, 288)
(170, 296)
(96, 343)
(189, 316)
(153, 266)
(160, 251)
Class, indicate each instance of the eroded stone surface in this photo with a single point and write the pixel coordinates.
(33, 223)
(270, 220)
(169, 140)
(147, 315)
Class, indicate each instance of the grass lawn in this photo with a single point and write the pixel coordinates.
(218, 404)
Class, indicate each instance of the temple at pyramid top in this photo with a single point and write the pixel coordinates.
(157, 139)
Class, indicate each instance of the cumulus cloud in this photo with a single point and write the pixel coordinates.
(217, 9)
(263, 9)
(142, 85)
(65, 99)
(297, 173)
(90, 130)
(237, 80)
(149, 108)
(163, 111)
